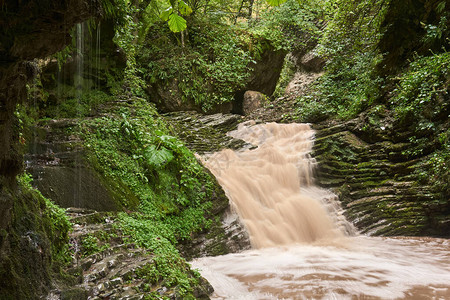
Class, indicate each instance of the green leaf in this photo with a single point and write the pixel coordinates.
(184, 9)
(170, 141)
(440, 7)
(157, 158)
(165, 14)
(275, 2)
(177, 23)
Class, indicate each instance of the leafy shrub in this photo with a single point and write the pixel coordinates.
(422, 90)
(289, 26)
(72, 103)
(207, 70)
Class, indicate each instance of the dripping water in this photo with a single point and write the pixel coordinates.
(303, 246)
(78, 77)
(79, 86)
(97, 56)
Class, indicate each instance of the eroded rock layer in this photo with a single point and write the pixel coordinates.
(377, 175)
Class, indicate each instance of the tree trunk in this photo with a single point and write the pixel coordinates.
(239, 11)
(250, 9)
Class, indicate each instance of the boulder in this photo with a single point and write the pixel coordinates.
(252, 101)
(311, 62)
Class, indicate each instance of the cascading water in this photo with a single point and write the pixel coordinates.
(303, 248)
(271, 186)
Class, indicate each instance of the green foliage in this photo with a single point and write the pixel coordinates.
(72, 104)
(132, 145)
(89, 245)
(435, 171)
(55, 221)
(208, 70)
(289, 26)
(176, 23)
(126, 39)
(168, 265)
(421, 91)
(439, 174)
(343, 92)
(350, 84)
(413, 28)
(173, 15)
(275, 2)
(313, 110)
(157, 157)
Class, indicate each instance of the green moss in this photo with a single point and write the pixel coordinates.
(418, 97)
(134, 148)
(35, 246)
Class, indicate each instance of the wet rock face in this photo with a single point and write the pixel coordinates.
(28, 30)
(13, 78)
(266, 71)
(263, 79)
(101, 58)
(35, 29)
(205, 134)
(376, 180)
(62, 172)
(308, 61)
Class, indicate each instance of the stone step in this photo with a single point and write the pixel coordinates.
(111, 251)
(355, 171)
(91, 217)
(323, 131)
(84, 229)
(390, 189)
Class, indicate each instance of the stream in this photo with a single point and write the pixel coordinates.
(303, 248)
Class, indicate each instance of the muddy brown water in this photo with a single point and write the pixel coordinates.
(303, 248)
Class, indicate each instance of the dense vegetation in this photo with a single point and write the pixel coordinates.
(368, 67)
(388, 59)
(133, 145)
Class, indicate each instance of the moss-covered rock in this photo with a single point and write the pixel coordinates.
(34, 244)
(28, 30)
(64, 172)
(378, 182)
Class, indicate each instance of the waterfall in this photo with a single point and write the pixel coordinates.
(303, 246)
(271, 187)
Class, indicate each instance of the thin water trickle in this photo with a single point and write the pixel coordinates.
(79, 86)
(78, 76)
(303, 244)
(97, 55)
